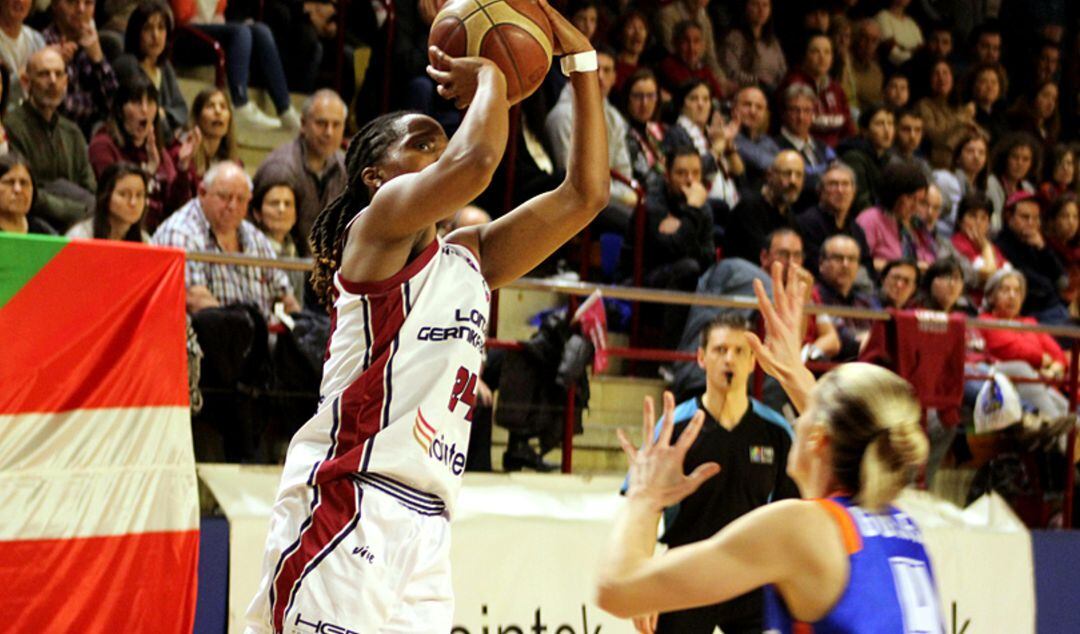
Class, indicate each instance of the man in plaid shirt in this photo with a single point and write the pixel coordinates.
(214, 221)
(91, 81)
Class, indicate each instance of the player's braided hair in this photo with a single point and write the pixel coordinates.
(366, 149)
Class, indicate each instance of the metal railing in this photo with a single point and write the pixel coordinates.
(632, 294)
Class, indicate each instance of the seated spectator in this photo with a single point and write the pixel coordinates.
(688, 60)
(832, 216)
(909, 135)
(869, 78)
(899, 281)
(17, 42)
(968, 174)
(942, 288)
(148, 42)
(701, 127)
(1047, 62)
(559, 125)
(314, 160)
(274, 210)
(1005, 295)
(899, 31)
(53, 145)
(672, 19)
(971, 237)
(756, 148)
(939, 46)
(678, 243)
(16, 197)
(797, 119)
(1015, 163)
(944, 121)
(632, 36)
(869, 153)
(1062, 231)
(91, 80)
(645, 133)
(131, 135)
(211, 130)
(1021, 242)
(890, 228)
(759, 213)
(832, 120)
(928, 229)
(987, 92)
(1037, 113)
(247, 45)
(750, 53)
(214, 221)
(120, 208)
(1059, 174)
(838, 269)
(896, 92)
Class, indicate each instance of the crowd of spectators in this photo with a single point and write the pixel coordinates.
(906, 153)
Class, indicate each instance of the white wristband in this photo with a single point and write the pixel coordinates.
(578, 63)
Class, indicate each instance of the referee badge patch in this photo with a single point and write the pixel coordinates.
(761, 455)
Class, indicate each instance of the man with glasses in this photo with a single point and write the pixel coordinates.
(832, 215)
(840, 257)
(215, 221)
(230, 307)
(898, 283)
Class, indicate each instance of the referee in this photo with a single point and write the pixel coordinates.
(750, 442)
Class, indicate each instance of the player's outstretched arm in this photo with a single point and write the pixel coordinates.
(515, 243)
(751, 552)
(412, 202)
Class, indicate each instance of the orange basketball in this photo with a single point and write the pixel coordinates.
(515, 34)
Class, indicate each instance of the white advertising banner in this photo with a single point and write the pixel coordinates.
(525, 551)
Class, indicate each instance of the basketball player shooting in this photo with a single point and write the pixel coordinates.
(359, 538)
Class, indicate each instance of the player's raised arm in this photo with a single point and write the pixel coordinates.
(431, 177)
(514, 244)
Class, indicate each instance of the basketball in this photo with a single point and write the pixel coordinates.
(515, 34)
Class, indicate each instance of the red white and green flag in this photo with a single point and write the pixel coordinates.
(98, 498)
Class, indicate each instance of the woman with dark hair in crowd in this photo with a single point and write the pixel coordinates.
(632, 37)
(645, 134)
(832, 115)
(120, 207)
(211, 129)
(17, 193)
(1016, 160)
(751, 53)
(1037, 113)
(944, 120)
(899, 281)
(971, 237)
(273, 207)
(132, 134)
(987, 90)
(1061, 226)
(148, 45)
(1059, 174)
(970, 169)
(942, 287)
(702, 127)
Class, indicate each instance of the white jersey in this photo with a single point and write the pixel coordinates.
(399, 382)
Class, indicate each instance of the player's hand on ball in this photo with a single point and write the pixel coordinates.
(567, 39)
(656, 470)
(459, 77)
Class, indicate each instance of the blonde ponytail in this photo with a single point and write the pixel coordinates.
(877, 441)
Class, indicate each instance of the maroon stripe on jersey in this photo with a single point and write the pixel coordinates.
(392, 282)
(362, 402)
(332, 520)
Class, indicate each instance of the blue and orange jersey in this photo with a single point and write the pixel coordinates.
(891, 587)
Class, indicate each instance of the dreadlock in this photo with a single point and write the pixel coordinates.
(327, 238)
